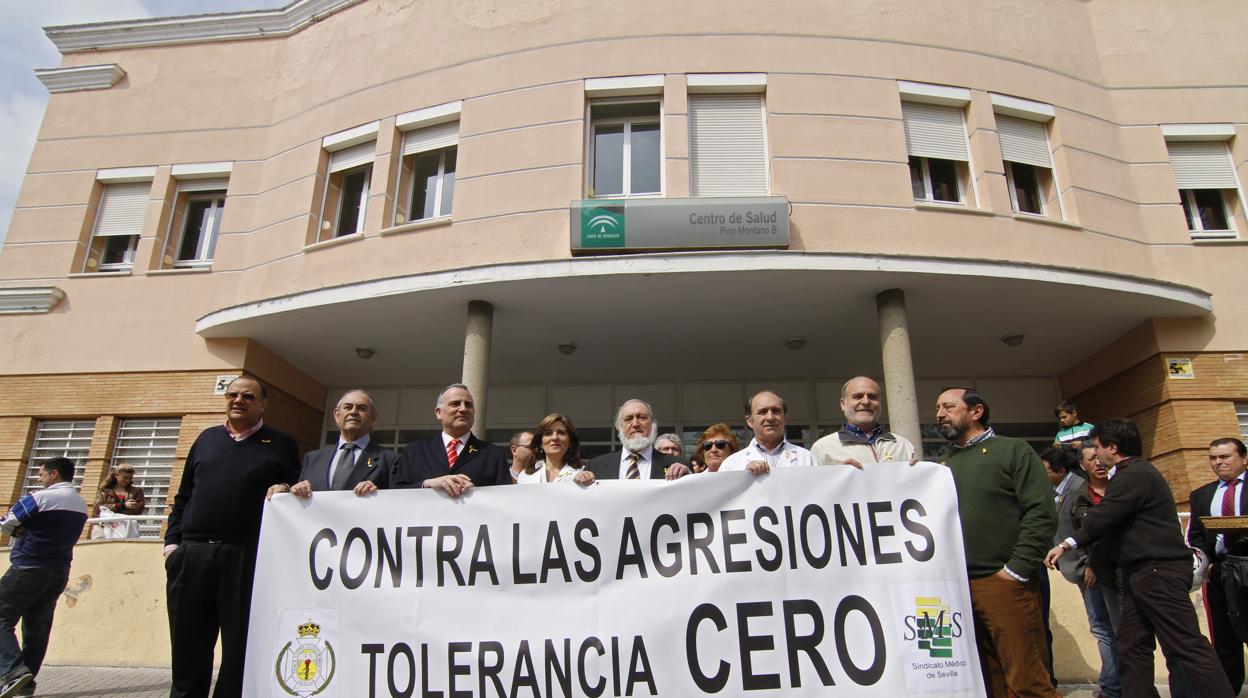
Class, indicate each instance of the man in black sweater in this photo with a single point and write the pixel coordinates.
(210, 542)
(1138, 521)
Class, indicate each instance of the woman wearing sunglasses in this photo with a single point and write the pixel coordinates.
(716, 443)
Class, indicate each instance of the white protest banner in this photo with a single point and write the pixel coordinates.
(808, 581)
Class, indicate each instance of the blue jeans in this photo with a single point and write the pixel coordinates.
(28, 594)
(1103, 630)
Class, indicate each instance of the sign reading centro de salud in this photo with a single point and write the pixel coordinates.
(610, 225)
(805, 582)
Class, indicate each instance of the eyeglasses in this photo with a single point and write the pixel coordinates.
(245, 397)
(720, 444)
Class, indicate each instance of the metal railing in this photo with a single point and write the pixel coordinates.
(149, 526)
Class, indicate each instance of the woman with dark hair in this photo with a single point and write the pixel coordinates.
(716, 443)
(119, 494)
(558, 452)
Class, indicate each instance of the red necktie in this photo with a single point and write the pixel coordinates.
(1228, 498)
(451, 454)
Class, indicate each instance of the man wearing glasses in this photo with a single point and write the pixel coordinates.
(210, 542)
(522, 455)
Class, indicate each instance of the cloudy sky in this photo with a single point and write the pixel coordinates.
(23, 47)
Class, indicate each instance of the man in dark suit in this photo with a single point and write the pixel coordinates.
(1136, 520)
(355, 462)
(454, 461)
(1224, 496)
(634, 422)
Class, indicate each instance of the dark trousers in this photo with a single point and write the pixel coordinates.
(28, 594)
(1226, 644)
(1156, 605)
(208, 589)
(1046, 600)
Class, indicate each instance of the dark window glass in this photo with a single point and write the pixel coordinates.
(944, 174)
(353, 184)
(1026, 187)
(426, 185)
(406, 436)
(644, 162)
(117, 249)
(595, 433)
(608, 160)
(1210, 208)
(201, 221)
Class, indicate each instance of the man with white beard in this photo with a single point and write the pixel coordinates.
(638, 460)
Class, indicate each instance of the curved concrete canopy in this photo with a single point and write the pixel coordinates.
(705, 316)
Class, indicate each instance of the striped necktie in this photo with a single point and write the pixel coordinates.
(633, 473)
(452, 453)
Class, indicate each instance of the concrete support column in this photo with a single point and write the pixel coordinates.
(477, 358)
(899, 386)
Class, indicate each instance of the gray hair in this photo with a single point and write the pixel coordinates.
(619, 413)
(372, 404)
(441, 402)
(671, 436)
(845, 386)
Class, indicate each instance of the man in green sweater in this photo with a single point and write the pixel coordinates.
(1008, 520)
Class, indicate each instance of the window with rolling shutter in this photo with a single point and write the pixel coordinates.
(118, 223)
(1028, 163)
(1023, 141)
(122, 209)
(197, 220)
(625, 154)
(934, 131)
(427, 176)
(346, 190)
(938, 154)
(1205, 176)
(1202, 165)
(727, 145)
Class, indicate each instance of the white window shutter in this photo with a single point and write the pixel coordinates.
(1201, 165)
(431, 138)
(934, 131)
(727, 145)
(1023, 141)
(354, 156)
(193, 185)
(122, 209)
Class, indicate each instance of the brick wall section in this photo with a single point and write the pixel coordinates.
(1177, 418)
(109, 398)
(16, 435)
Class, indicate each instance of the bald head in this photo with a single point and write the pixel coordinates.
(860, 401)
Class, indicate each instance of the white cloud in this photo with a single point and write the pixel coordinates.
(22, 97)
(23, 47)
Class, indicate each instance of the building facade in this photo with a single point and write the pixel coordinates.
(569, 204)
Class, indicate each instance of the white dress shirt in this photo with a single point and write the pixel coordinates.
(786, 455)
(459, 448)
(360, 444)
(538, 476)
(1215, 509)
(643, 463)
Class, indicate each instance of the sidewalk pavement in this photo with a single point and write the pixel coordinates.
(110, 682)
(101, 682)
